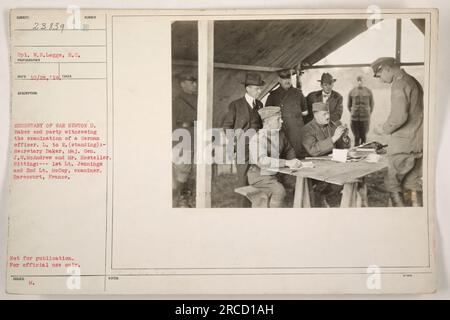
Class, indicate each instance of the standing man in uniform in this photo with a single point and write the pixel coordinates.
(270, 148)
(293, 107)
(242, 116)
(327, 95)
(360, 105)
(184, 113)
(405, 127)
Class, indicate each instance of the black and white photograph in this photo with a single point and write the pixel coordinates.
(304, 113)
(225, 152)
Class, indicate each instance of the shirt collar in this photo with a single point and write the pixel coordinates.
(321, 125)
(326, 94)
(249, 99)
(399, 74)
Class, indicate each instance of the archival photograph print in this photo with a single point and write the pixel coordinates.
(311, 113)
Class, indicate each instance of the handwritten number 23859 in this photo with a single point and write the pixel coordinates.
(48, 26)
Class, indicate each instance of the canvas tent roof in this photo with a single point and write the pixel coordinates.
(264, 45)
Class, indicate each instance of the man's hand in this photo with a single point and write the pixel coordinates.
(338, 133)
(294, 163)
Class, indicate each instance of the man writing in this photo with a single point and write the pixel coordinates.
(270, 148)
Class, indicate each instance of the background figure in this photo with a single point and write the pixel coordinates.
(326, 95)
(184, 113)
(293, 107)
(405, 127)
(243, 114)
(360, 105)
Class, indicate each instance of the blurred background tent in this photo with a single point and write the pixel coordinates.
(343, 47)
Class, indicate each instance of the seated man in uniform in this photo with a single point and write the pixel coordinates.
(270, 148)
(320, 137)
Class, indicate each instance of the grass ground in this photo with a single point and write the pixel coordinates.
(223, 195)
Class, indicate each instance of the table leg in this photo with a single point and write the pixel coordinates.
(302, 198)
(349, 195)
(354, 195)
(361, 197)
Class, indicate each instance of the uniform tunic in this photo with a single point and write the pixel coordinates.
(317, 139)
(360, 105)
(292, 104)
(334, 103)
(405, 127)
(266, 149)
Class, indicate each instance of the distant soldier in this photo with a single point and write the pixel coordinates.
(405, 127)
(360, 105)
(270, 149)
(243, 115)
(293, 107)
(326, 95)
(184, 113)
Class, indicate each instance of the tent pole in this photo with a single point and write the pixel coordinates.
(398, 41)
(204, 109)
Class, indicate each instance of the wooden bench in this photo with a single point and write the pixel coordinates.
(259, 198)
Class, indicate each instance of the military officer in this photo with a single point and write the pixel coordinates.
(405, 127)
(270, 148)
(293, 107)
(320, 137)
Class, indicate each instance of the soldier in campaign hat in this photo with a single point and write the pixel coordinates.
(404, 126)
(270, 148)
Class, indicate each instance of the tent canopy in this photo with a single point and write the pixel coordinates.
(260, 45)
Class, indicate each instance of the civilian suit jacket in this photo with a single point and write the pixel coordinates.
(241, 116)
(334, 104)
(405, 121)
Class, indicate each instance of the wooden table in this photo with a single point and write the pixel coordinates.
(349, 174)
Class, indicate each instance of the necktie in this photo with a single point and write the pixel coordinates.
(326, 131)
(254, 103)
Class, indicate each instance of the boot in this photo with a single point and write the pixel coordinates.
(397, 199)
(416, 199)
(184, 196)
(407, 200)
(184, 200)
